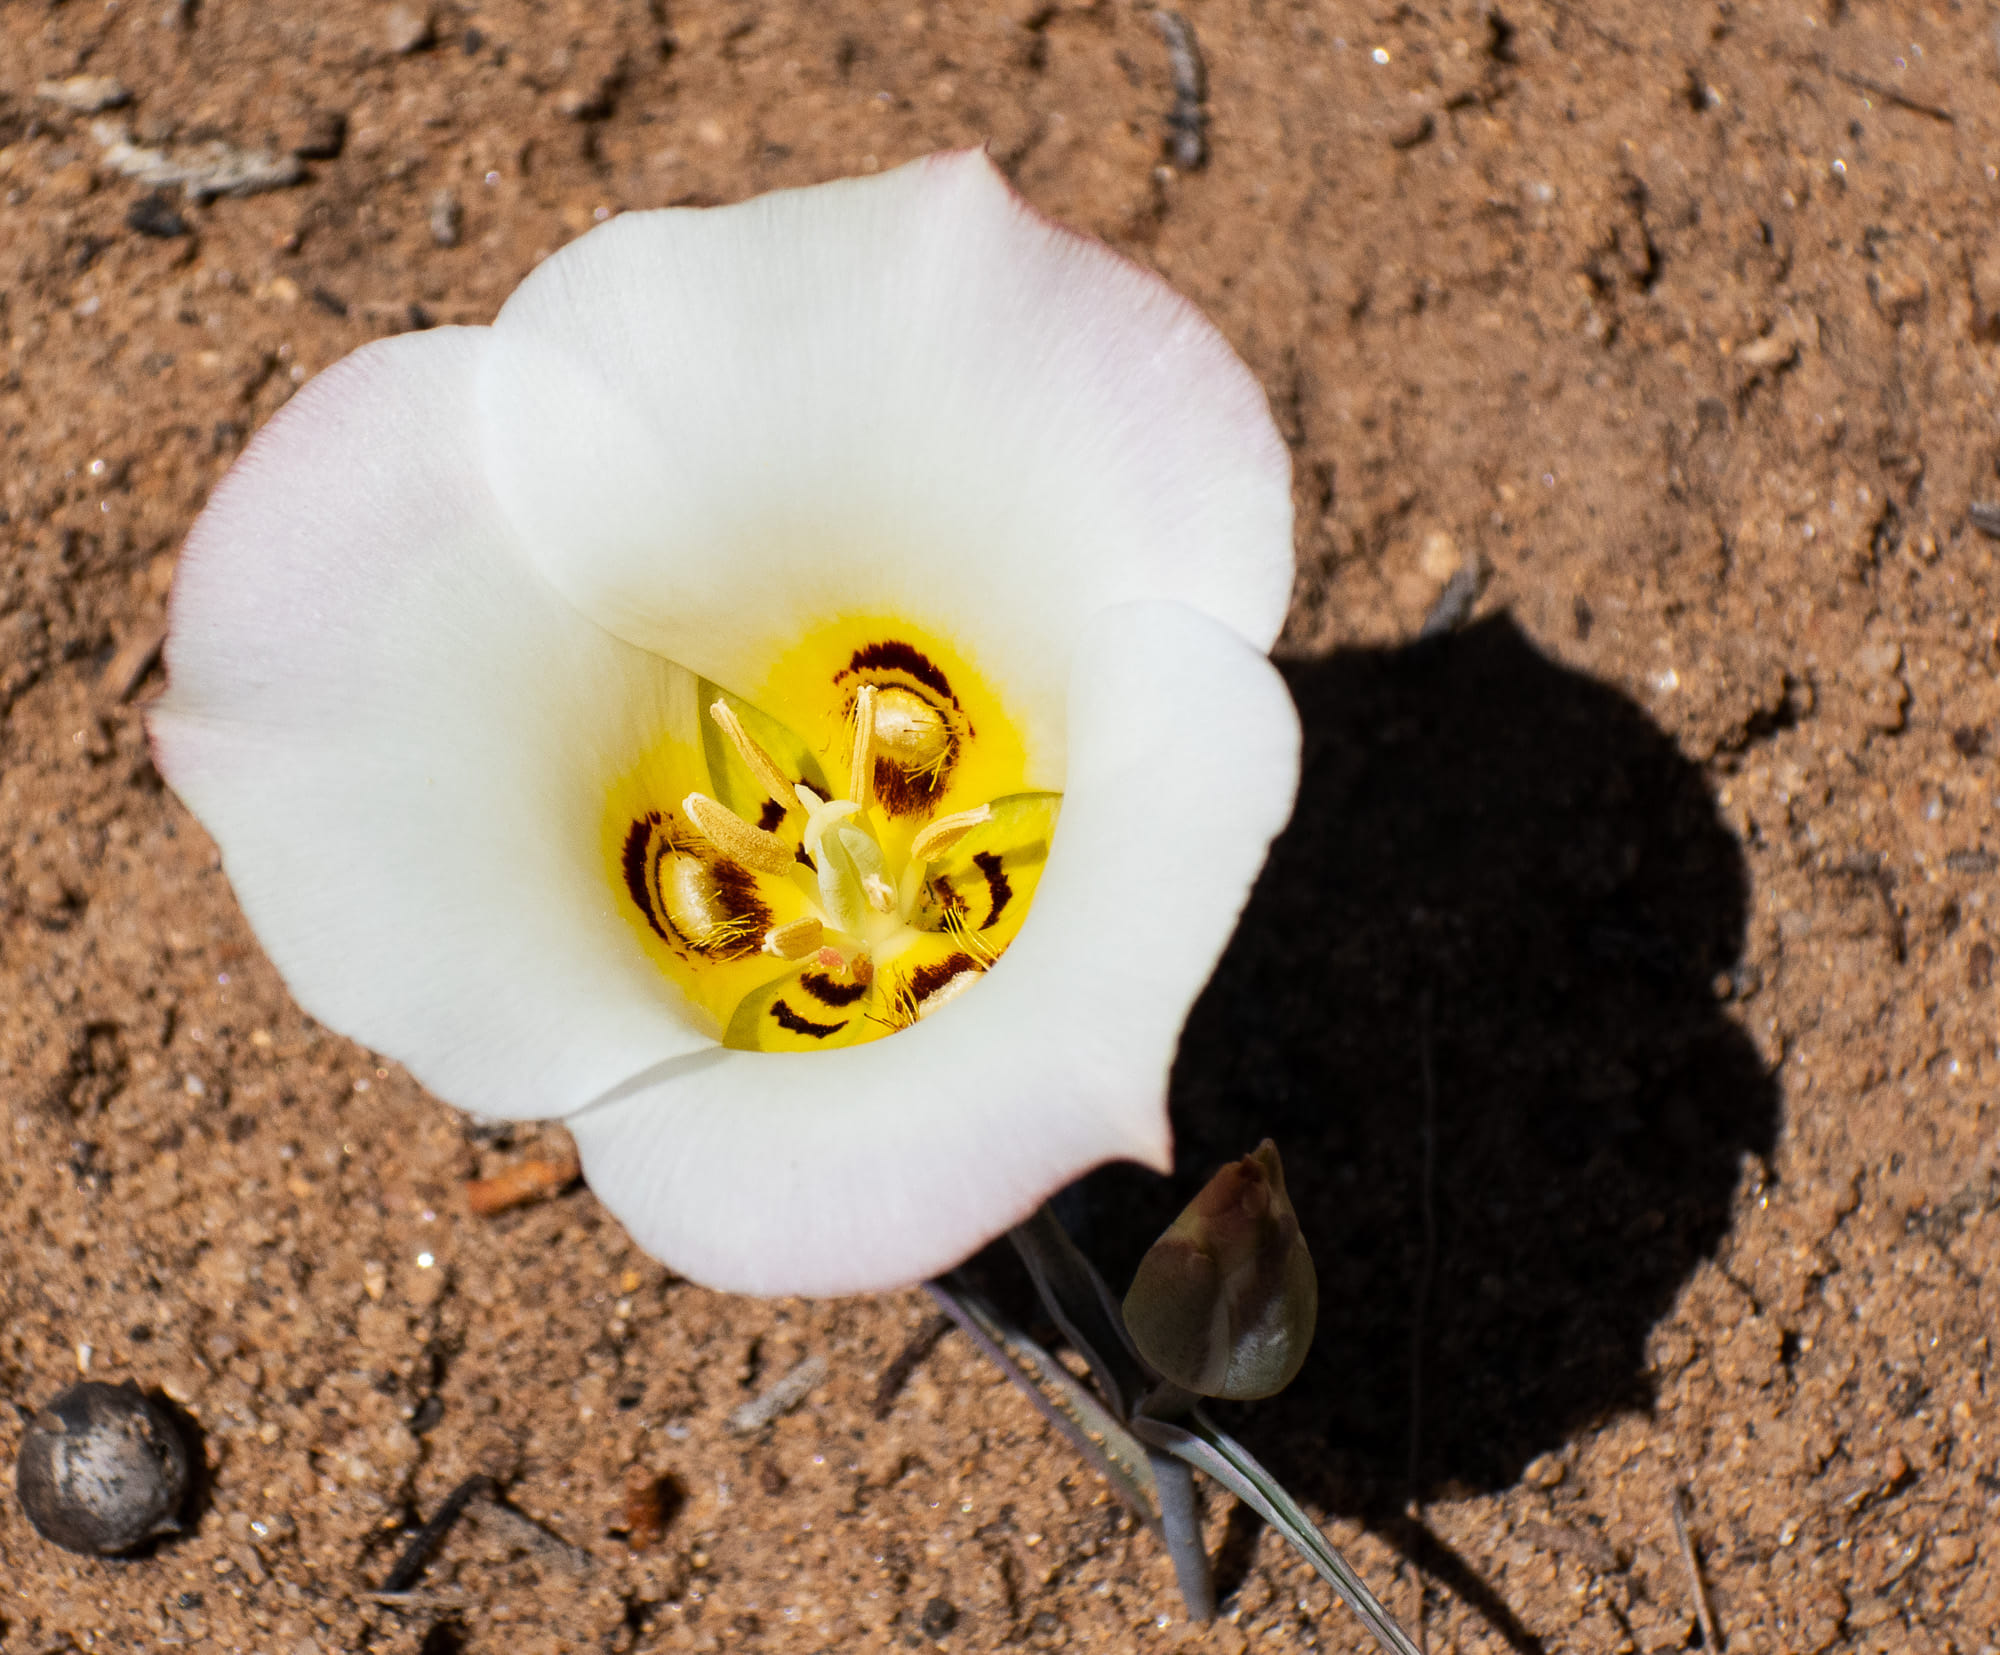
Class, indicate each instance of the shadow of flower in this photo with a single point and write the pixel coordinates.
(1503, 874)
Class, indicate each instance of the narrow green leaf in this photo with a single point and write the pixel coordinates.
(1063, 1399)
(1084, 1307)
(1208, 1448)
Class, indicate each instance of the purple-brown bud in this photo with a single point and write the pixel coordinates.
(1224, 1303)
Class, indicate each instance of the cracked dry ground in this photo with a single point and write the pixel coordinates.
(1671, 872)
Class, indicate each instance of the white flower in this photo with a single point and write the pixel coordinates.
(521, 672)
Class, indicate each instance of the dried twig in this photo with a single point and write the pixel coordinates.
(134, 658)
(897, 1374)
(1889, 95)
(535, 1179)
(416, 1600)
(1456, 602)
(202, 170)
(1187, 121)
(537, 1537)
(1711, 1637)
(410, 1566)
(780, 1398)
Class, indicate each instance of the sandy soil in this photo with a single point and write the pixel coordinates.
(1622, 997)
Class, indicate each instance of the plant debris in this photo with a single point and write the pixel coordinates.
(202, 170)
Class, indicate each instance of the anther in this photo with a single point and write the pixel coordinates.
(946, 831)
(861, 765)
(794, 940)
(758, 762)
(737, 839)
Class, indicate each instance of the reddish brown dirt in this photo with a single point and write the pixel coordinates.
(1672, 873)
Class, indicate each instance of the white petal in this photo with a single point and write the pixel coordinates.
(907, 394)
(877, 1165)
(400, 738)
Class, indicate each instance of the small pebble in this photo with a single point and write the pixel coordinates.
(447, 219)
(155, 215)
(102, 1468)
(407, 29)
(323, 137)
(940, 1616)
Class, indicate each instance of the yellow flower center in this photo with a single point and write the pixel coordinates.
(833, 874)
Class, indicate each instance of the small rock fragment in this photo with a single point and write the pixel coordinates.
(1438, 556)
(447, 219)
(85, 94)
(1984, 515)
(1412, 131)
(940, 1616)
(73, 182)
(1776, 349)
(407, 29)
(101, 1469)
(323, 136)
(155, 215)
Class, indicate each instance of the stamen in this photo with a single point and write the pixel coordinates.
(758, 762)
(946, 831)
(861, 765)
(795, 940)
(737, 839)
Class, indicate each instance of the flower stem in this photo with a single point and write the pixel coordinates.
(1180, 1519)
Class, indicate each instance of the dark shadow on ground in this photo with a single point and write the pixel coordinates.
(1518, 848)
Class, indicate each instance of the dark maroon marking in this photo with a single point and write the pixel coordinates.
(891, 656)
(945, 895)
(998, 887)
(903, 794)
(789, 1019)
(825, 990)
(738, 890)
(799, 856)
(770, 816)
(926, 980)
(638, 861)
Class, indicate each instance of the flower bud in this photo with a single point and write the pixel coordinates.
(1224, 1303)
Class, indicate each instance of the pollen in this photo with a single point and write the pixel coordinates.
(752, 847)
(861, 762)
(795, 939)
(758, 762)
(946, 831)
